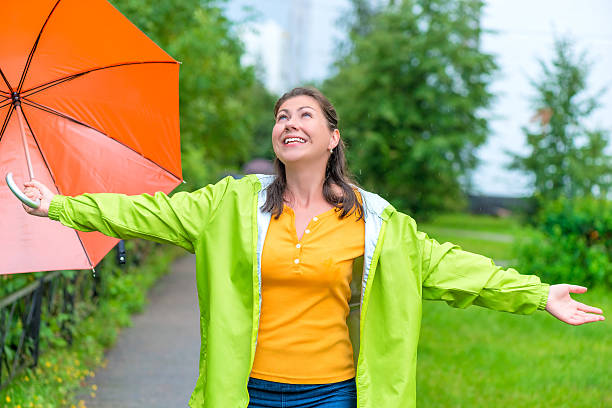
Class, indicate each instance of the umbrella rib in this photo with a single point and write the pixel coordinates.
(54, 183)
(6, 81)
(145, 157)
(6, 120)
(61, 115)
(91, 265)
(55, 82)
(33, 50)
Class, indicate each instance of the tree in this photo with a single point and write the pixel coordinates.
(410, 89)
(567, 158)
(220, 100)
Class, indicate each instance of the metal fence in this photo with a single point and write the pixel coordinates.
(55, 302)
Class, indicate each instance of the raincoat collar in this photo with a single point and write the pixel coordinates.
(376, 210)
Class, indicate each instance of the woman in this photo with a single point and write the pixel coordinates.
(274, 261)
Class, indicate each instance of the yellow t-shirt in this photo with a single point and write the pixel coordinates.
(303, 337)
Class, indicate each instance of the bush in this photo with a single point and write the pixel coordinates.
(571, 242)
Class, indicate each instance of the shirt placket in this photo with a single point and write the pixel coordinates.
(299, 245)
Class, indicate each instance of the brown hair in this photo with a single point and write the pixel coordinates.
(336, 171)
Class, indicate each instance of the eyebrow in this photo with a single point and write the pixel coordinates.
(300, 108)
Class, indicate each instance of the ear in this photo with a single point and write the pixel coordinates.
(334, 139)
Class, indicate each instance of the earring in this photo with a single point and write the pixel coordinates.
(331, 150)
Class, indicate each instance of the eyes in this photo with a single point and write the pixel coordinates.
(284, 116)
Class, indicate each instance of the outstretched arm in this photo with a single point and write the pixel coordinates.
(179, 219)
(563, 307)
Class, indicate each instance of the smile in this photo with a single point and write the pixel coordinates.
(294, 140)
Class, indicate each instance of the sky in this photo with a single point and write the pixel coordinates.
(296, 41)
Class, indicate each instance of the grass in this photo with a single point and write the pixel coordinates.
(462, 221)
(485, 235)
(479, 358)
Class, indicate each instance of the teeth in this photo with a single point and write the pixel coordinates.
(294, 139)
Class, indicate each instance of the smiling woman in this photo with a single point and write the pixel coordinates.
(275, 259)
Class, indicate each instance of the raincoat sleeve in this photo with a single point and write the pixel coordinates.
(462, 278)
(177, 220)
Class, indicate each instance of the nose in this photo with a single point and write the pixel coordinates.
(290, 123)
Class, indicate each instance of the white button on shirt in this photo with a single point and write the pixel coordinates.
(296, 261)
(307, 231)
(298, 246)
(315, 219)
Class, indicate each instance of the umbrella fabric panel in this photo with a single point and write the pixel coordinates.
(82, 35)
(135, 104)
(84, 161)
(31, 244)
(21, 23)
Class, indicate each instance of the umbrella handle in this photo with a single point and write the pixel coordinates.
(19, 194)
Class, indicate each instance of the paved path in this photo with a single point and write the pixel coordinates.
(154, 363)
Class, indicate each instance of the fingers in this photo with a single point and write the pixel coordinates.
(587, 308)
(576, 289)
(33, 193)
(582, 318)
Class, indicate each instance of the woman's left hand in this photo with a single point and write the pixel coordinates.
(563, 307)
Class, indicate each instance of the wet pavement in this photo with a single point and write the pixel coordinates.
(154, 363)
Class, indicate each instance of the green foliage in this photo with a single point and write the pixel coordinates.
(222, 104)
(410, 89)
(572, 243)
(62, 369)
(566, 158)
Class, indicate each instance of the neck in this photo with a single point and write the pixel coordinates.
(304, 185)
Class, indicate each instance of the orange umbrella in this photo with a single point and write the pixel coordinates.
(94, 102)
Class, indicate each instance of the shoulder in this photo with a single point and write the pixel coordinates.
(375, 205)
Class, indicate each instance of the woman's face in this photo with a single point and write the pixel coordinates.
(301, 132)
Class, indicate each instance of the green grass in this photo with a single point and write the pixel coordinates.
(480, 358)
(485, 235)
(463, 221)
(493, 249)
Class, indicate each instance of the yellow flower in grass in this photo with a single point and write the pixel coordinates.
(26, 378)
(8, 398)
(94, 387)
(47, 364)
(93, 394)
(59, 380)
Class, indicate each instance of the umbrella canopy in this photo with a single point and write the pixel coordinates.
(99, 107)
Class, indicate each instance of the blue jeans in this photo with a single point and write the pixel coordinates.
(270, 394)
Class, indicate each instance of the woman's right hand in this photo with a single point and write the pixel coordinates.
(36, 190)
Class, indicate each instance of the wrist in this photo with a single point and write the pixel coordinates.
(56, 206)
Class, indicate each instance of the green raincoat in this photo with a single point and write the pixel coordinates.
(225, 227)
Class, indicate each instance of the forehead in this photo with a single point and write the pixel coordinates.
(297, 102)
